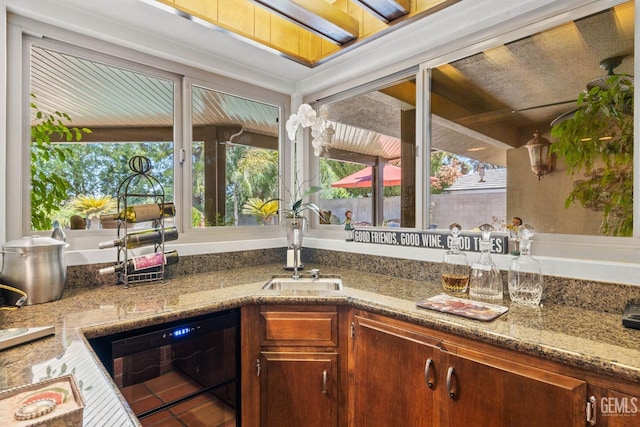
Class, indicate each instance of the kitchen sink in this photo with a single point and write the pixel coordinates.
(287, 283)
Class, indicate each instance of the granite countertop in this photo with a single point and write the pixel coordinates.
(591, 340)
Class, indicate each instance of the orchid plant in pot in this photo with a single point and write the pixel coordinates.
(321, 137)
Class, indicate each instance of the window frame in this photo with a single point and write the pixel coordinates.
(602, 258)
(21, 33)
(619, 249)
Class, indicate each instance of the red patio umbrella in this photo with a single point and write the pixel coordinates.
(392, 175)
(362, 179)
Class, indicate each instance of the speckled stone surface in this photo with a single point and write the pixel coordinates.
(567, 333)
(591, 295)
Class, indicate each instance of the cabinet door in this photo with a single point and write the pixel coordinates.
(484, 390)
(298, 389)
(389, 380)
(615, 408)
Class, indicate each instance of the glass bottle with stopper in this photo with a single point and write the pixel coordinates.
(485, 283)
(525, 274)
(455, 267)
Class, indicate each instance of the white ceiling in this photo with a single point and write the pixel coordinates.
(135, 24)
(549, 67)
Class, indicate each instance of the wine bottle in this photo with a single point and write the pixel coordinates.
(139, 213)
(143, 262)
(142, 238)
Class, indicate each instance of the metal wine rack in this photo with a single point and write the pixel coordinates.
(139, 188)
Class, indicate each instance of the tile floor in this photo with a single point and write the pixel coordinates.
(202, 410)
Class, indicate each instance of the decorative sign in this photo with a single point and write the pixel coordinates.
(429, 239)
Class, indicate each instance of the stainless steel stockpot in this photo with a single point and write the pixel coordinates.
(35, 265)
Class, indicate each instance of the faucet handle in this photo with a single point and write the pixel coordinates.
(315, 273)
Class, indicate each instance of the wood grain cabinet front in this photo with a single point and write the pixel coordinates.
(390, 367)
(332, 366)
(611, 407)
(411, 376)
(294, 371)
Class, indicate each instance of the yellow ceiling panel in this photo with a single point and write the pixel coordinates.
(198, 7)
(237, 15)
(278, 26)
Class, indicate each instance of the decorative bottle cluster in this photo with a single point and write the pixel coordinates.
(483, 280)
(140, 186)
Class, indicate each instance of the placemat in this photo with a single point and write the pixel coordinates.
(477, 310)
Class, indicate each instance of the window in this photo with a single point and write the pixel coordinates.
(370, 167)
(235, 160)
(117, 113)
(488, 105)
(114, 108)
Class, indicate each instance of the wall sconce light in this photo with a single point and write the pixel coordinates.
(539, 155)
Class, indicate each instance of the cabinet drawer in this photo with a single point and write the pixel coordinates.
(282, 327)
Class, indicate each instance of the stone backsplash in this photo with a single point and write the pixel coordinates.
(591, 295)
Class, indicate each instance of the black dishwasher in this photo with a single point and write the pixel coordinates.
(182, 373)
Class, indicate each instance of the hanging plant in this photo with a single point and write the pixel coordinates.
(596, 145)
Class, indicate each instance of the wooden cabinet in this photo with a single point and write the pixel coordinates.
(332, 366)
(389, 364)
(481, 389)
(412, 376)
(293, 372)
(614, 408)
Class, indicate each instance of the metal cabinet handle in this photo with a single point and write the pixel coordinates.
(450, 373)
(324, 381)
(427, 373)
(591, 411)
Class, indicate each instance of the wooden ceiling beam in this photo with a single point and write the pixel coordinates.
(317, 16)
(386, 10)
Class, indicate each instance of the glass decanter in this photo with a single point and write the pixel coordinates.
(525, 274)
(485, 283)
(455, 268)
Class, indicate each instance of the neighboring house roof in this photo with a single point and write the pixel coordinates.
(493, 179)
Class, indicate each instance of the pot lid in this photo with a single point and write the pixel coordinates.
(33, 242)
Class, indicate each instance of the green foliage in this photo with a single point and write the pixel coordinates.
(90, 205)
(596, 145)
(49, 190)
(251, 173)
(263, 211)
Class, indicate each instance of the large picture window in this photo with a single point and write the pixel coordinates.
(111, 114)
(370, 167)
(235, 160)
(90, 113)
(572, 86)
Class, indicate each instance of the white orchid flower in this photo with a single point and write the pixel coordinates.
(306, 115)
(329, 132)
(292, 126)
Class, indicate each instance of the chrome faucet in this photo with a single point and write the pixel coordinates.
(315, 273)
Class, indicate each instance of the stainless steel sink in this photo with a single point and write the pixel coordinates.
(287, 283)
